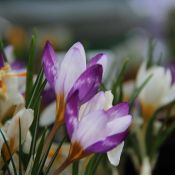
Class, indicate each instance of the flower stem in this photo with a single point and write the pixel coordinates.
(51, 136)
(66, 163)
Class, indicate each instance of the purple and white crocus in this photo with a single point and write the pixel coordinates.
(71, 74)
(96, 127)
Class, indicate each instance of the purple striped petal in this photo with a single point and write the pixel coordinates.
(99, 59)
(119, 110)
(72, 66)
(108, 143)
(71, 113)
(1, 61)
(18, 65)
(50, 64)
(88, 83)
(48, 96)
(96, 59)
(172, 70)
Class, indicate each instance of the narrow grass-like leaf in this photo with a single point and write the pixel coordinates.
(2, 51)
(34, 128)
(38, 154)
(35, 88)
(5, 167)
(30, 67)
(9, 152)
(20, 150)
(75, 167)
(93, 164)
(54, 156)
(117, 85)
(137, 91)
(38, 93)
(43, 159)
(151, 47)
(165, 135)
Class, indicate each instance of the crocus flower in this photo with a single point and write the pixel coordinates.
(159, 91)
(97, 127)
(71, 74)
(11, 130)
(10, 97)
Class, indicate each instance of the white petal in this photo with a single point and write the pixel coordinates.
(154, 90)
(169, 93)
(27, 143)
(94, 104)
(48, 115)
(108, 100)
(9, 54)
(73, 64)
(26, 118)
(128, 88)
(115, 154)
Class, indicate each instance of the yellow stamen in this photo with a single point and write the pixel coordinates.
(147, 110)
(23, 74)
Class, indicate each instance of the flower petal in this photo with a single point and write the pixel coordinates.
(119, 110)
(71, 113)
(88, 83)
(172, 70)
(48, 115)
(99, 59)
(95, 103)
(73, 64)
(89, 129)
(108, 143)
(1, 61)
(119, 124)
(50, 64)
(115, 154)
(27, 143)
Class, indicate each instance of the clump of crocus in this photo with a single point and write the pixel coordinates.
(69, 75)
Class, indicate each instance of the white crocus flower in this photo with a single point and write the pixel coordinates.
(159, 91)
(11, 128)
(10, 97)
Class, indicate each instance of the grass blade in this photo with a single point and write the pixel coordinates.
(75, 167)
(30, 67)
(54, 156)
(93, 164)
(137, 91)
(20, 150)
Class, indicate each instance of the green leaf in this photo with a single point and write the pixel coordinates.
(20, 150)
(2, 51)
(36, 89)
(38, 154)
(30, 67)
(54, 156)
(75, 167)
(9, 152)
(117, 85)
(151, 47)
(34, 128)
(137, 91)
(165, 135)
(93, 164)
